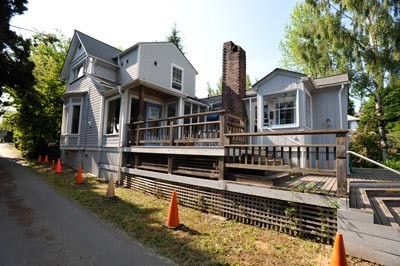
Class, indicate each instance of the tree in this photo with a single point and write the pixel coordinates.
(248, 82)
(16, 68)
(175, 38)
(218, 89)
(358, 36)
(37, 121)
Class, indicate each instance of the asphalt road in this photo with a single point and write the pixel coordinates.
(39, 226)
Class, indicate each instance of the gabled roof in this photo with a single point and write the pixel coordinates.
(92, 47)
(98, 48)
(324, 82)
(156, 43)
(275, 72)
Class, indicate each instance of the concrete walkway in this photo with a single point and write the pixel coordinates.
(38, 226)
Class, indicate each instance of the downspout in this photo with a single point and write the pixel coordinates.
(120, 91)
(341, 127)
(340, 106)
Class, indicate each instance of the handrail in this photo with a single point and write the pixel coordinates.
(179, 117)
(286, 132)
(372, 161)
(289, 139)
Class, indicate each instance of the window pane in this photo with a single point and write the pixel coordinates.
(134, 110)
(76, 112)
(113, 116)
(285, 108)
(176, 78)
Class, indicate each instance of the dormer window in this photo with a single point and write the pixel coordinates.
(78, 72)
(177, 77)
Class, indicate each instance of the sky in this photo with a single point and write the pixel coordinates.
(255, 25)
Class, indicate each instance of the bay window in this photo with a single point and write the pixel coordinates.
(280, 109)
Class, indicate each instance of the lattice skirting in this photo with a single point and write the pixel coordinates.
(297, 219)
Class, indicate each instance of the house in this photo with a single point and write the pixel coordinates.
(352, 123)
(134, 114)
(108, 89)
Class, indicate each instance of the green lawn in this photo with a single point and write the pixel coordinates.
(204, 240)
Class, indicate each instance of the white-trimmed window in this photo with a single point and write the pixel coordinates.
(177, 77)
(78, 71)
(280, 109)
(71, 116)
(113, 109)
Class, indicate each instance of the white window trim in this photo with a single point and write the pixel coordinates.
(106, 102)
(172, 73)
(66, 126)
(294, 125)
(305, 110)
(74, 69)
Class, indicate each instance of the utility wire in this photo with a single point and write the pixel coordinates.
(21, 28)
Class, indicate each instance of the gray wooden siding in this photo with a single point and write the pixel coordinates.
(105, 71)
(160, 74)
(78, 54)
(325, 105)
(279, 83)
(128, 70)
(81, 84)
(91, 116)
(109, 158)
(110, 141)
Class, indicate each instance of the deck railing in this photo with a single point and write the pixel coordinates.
(205, 129)
(322, 159)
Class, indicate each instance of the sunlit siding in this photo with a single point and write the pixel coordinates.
(91, 116)
(156, 61)
(80, 84)
(279, 83)
(129, 66)
(105, 71)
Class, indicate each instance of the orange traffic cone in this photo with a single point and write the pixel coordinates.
(58, 167)
(339, 253)
(79, 179)
(111, 188)
(46, 160)
(53, 165)
(39, 159)
(173, 215)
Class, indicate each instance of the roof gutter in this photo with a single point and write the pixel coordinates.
(105, 61)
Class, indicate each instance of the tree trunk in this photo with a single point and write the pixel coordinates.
(381, 126)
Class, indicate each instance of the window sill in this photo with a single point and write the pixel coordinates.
(111, 135)
(70, 135)
(290, 126)
(75, 80)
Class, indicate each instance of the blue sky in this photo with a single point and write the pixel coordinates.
(256, 25)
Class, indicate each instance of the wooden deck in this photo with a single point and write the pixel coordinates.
(328, 184)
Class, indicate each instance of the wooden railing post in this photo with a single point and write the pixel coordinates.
(341, 164)
(137, 135)
(222, 128)
(171, 133)
(222, 142)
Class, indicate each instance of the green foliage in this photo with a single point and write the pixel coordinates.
(394, 164)
(175, 38)
(36, 123)
(358, 37)
(218, 87)
(16, 68)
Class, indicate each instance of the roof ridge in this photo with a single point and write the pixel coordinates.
(79, 32)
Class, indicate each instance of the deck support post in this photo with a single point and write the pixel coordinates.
(170, 162)
(223, 141)
(341, 163)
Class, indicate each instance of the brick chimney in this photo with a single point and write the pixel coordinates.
(233, 79)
